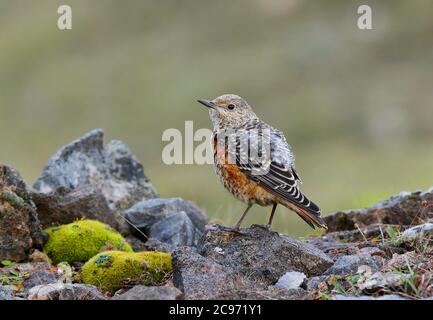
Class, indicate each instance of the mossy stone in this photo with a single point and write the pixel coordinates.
(110, 270)
(81, 240)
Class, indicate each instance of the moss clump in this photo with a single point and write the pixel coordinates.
(111, 270)
(81, 240)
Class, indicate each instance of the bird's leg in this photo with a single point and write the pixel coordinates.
(272, 216)
(238, 224)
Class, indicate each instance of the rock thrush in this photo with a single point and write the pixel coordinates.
(256, 179)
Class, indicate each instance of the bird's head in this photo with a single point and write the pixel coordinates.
(228, 111)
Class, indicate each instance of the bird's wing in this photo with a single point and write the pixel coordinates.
(274, 172)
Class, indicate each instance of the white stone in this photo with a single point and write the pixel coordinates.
(291, 280)
(419, 231)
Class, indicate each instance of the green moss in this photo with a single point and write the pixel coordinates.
(81, 240)
(110, 270)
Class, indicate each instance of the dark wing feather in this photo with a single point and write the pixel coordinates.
(279, 176)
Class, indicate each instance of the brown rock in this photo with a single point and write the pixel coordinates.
(20, 229)
(403, 209)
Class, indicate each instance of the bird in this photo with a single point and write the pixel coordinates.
(256, 179)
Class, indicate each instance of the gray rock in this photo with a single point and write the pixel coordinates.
(385, 297)
(64, 206)
(402, 209)
(150, 293)
(173, 221)
(29, 267)
(40, 277)
(291, 280)
(273, 293)
(348, 265)
(200, 278)
(65, 291)
(113, 173)
(379, 280)
(20, 229)
(156, 245)
(313, 282)
(261, 254)
(37, 273)
(136, 244)
(6, 293)
(423, 230)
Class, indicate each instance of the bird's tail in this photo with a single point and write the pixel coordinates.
(310, 213)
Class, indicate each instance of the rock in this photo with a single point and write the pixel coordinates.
(273, 293)
(20, 229)
(30, 267)
(150, 293)
(361, 234)
(40, 277)
(32, 274)
(423, 230)
(348, 265)
(201, 278)
(380, 280)
(136, 244)
(245, 265)
(173, 221)
(38, 256)
(64, 206)
(403, 261)
(156, 245)
(96, 172)
(373, 251)
(6, 293)
(291, 280)
(403, 209)
(65, 291)
(261, 254)
(385, 297)
(314, 282)
(150, 245)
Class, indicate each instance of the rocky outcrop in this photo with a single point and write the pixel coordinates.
(403, 209)
(86, 172)
(173, 221)
(260, 253)
(20, 230)
(241, 265)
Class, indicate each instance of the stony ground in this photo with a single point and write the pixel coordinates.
(381, 252)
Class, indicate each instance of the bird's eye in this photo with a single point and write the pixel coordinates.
(231, 106)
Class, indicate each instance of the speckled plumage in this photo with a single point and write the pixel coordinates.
(267, 180)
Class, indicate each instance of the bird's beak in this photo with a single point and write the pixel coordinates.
(207, 103)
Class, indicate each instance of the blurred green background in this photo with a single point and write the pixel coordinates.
(355, 105)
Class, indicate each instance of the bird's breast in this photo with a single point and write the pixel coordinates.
(236, 181)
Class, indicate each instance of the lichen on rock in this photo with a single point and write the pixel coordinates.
(20, 230)
(110, 270)
(81, 240)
